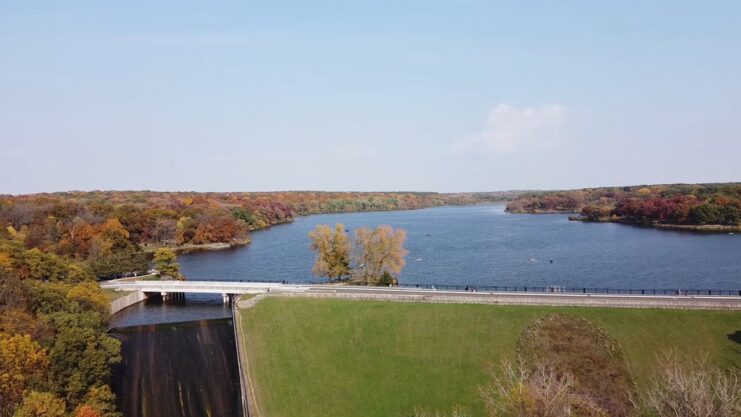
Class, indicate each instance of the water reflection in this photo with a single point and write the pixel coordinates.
(154, 310)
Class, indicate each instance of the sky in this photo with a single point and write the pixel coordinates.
(367, 95)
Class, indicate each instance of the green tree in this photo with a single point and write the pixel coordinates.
(333, 251)
(89, 296)
(38, 265)
(81, 355)
(165, 261)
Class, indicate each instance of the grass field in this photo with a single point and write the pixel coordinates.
(339, 358)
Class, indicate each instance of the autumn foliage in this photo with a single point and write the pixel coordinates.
(333, 251)
(701, 204)
(375, 257)
(55, 352)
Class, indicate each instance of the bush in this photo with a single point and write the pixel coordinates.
(691, 388)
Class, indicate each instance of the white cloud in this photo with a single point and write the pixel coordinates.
(509, 129)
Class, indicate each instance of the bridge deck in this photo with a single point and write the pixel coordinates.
(428, 295)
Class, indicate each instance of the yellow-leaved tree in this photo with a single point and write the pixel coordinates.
(379, 255)
(333, 251)
(22, 360)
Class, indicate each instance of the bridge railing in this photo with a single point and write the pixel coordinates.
(519, 289)
(537, 289)
(574, 290)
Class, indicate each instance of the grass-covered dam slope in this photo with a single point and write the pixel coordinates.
(331, 357)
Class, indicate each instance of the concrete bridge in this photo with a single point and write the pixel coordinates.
(173, 287)
(228, 289)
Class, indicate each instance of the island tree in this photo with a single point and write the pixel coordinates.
(379, 255)
(333, 251)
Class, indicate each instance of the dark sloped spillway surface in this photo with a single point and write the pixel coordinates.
(179, 370)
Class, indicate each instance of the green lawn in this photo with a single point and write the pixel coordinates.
(341, 358)
(114, 295)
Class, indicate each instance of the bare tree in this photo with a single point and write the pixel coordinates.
(165, 230)
(693, 389)
(540, 391)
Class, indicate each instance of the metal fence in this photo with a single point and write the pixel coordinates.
(575, 290)
(541, 289)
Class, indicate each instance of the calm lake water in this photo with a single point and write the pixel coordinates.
(483, 245)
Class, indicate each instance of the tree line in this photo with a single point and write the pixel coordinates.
(55, 352)
(111, 231)
(677, 204)
(373, 257)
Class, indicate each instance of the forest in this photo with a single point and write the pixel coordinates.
(671, 204)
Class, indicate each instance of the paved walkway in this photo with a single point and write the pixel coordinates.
(426, 295)
(508, 298)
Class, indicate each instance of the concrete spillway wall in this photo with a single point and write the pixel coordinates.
(127, 300)
(249, 400)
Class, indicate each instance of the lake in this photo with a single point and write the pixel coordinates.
(484, 245)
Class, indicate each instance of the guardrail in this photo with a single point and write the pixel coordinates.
(508, 288)
(576, 290)
(540, 289)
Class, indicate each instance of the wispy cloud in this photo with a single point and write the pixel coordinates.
(510, 128)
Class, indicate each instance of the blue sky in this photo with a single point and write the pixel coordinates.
(367, 95)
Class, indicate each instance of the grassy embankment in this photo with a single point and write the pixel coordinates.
(351, 358)
(114, 295)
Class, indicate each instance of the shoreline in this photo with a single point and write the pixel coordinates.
(541, 211)
(214, 246)
(697, 228)
(202, 247)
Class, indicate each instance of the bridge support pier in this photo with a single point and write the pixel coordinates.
(225, 298)
(172, 296)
